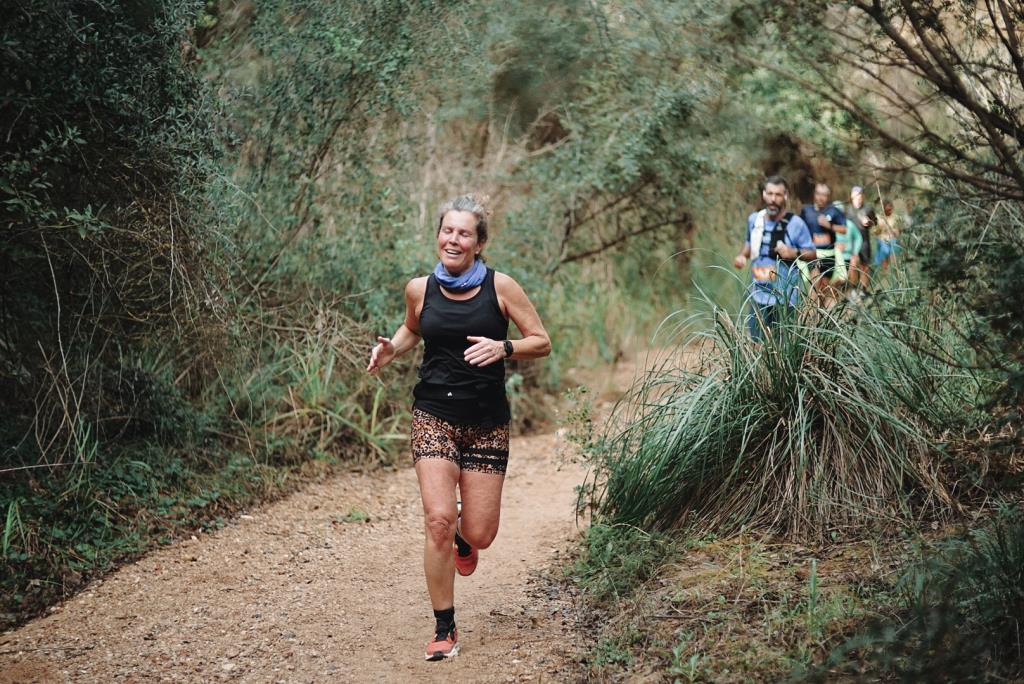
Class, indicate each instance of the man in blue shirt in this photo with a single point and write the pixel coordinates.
(825, 221)
(776, 239)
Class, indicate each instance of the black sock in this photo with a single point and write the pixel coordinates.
(445, 620)
(462, 547)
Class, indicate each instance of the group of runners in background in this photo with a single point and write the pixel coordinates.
(828, 245)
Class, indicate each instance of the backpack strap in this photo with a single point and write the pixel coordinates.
(779, 235)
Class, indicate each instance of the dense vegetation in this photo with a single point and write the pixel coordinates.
(820, 432)
(958, 617)
(110, 280)
(210, 209)
(862, 422)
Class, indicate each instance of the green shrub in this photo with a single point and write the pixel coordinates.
(961, 618)
(111, 505)
(617, 559)
(971, 257)
(820, 431)
(101, 183)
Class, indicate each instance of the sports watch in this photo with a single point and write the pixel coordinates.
(508, 348)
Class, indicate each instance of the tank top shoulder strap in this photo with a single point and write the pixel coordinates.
(432, 288)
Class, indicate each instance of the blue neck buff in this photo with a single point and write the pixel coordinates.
(472, 277)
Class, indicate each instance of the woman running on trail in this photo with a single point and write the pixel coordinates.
(460, 416)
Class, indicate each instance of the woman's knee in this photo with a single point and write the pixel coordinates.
(440, 529)
(479, 536)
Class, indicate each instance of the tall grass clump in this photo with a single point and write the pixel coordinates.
(306, 395)
(821, 430)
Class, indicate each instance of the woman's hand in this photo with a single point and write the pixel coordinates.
(382, 355)
(484, 351)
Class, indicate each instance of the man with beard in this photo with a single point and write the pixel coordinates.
(776, 240)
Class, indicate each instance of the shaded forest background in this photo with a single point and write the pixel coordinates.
(210, 209)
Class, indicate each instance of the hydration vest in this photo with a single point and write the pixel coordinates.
(779, 235)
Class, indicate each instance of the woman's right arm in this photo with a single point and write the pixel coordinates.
(408, 334)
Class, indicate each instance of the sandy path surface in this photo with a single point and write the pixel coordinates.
(295, 593)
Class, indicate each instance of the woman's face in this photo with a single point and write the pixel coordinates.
(457, 244)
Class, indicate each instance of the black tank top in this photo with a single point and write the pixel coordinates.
(449, 387)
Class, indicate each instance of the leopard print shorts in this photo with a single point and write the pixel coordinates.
(471, 447)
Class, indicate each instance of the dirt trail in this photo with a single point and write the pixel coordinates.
(295, 593)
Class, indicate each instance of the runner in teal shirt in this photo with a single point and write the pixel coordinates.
(849, 246)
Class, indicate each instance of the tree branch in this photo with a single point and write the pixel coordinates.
(604, 247)
(1002, 190)
(1010, 41)
(954, 87)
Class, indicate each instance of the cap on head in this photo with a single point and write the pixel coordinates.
(857, 190)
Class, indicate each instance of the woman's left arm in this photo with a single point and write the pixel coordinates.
(535, 342)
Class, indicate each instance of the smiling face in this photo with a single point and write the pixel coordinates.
(457, 243)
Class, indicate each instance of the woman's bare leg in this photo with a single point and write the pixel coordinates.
(438, 477)
(481, 506)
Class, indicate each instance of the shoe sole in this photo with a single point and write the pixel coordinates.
(437, 655)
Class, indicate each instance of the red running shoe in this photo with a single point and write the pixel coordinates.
(465, 565)
(444, 645)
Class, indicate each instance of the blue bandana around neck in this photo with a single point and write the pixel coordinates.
(472, 277)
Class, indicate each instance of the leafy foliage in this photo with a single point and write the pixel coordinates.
(108, 148)
(617, 559)
(930, 84)
(971, 256)
(304, 188)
